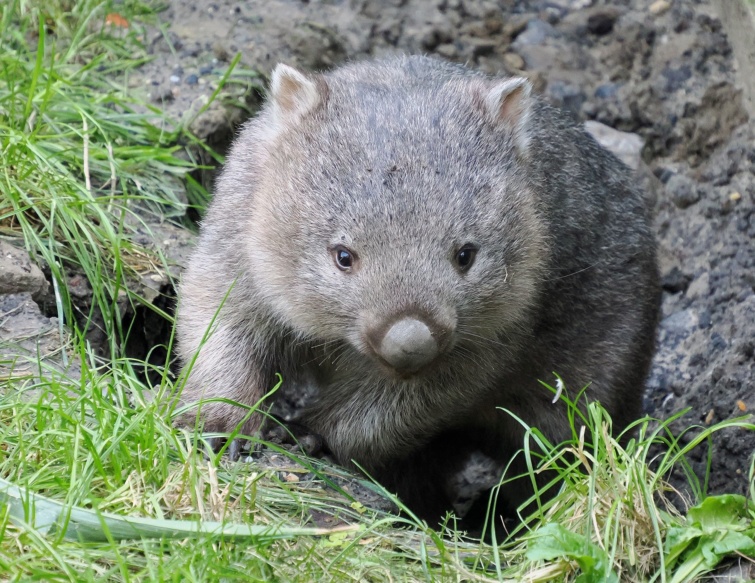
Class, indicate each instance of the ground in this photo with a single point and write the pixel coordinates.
(664, 71)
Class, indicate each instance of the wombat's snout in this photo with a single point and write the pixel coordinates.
(408, 344)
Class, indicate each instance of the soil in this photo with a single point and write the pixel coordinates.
(664, 71)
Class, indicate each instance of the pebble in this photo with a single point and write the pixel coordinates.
(566, 95)
(606, 91)
(535, 33)
(18, 273)
(192, 79)
(718, 342)
(675, 281)
(684, 193)
(447, 50)
(513, 62)
(659, 7)
(681, 323)
(626, 146)
(700, 287)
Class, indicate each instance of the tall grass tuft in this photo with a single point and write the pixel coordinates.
(84, 162)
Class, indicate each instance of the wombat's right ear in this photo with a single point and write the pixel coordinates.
(508, 103)
(293, 94)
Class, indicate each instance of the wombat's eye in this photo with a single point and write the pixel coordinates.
(465, 256)
(344, 258)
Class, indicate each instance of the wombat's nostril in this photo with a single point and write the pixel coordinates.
(408, 345)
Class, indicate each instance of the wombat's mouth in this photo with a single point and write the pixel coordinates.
(397, 373)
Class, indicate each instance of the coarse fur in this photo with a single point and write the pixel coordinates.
(403, 162)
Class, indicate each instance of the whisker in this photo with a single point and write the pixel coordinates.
(572, 273)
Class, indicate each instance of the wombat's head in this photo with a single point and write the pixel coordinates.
(393, 210)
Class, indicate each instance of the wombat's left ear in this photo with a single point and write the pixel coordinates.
(293, 94)
(509, 103)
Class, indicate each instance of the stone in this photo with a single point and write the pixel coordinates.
(627, 147)
(513, 62)
(659, 7)
(700, 286)
(683, 191)
(18, 274)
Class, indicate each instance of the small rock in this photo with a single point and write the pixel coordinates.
(513, 62)
(700, 286)
(676, 77)
(515, 25)
(606, 91)
(624, 145)
(717, 342)
(573, 4)
(447, 50)
(675, 281)
(659, 7)
(705, 318)
(683, 191)
(192, 79)
(18, 274)
(539, 57)
(681, 323)
(552, 14)
(663, 174)
(205, 70)
(175, 79)
(566, 95)
(535, 33)
(27, 337)
(78, 287)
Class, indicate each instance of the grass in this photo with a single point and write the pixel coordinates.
(104, 443)
(86, 457)
(85, 164)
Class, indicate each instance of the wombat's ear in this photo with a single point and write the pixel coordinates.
(293, 94)
(508, 103)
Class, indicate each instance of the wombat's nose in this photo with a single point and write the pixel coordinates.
(408, 345)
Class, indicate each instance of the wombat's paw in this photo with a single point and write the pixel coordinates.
(220, 418)
(237, 448)
(296, 435)
(478, 474)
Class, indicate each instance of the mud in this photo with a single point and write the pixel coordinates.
(664, 71)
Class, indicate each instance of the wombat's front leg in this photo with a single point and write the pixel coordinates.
(448, 473)
(225, 367)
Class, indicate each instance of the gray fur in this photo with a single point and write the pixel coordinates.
(403, 161)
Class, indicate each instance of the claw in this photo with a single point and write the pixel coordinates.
(214, 444)
(234, 451)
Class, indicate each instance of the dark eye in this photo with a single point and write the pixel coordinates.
(465, 256)
(344, 258)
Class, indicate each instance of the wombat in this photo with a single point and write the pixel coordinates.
(420, 245)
